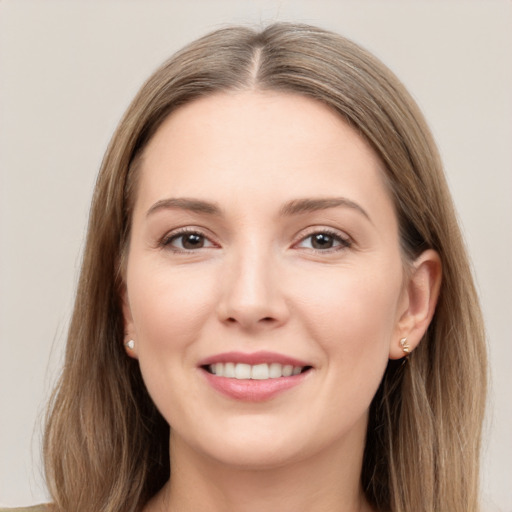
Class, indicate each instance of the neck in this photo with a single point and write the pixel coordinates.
(329, 481)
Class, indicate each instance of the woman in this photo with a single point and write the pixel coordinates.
(274, 269)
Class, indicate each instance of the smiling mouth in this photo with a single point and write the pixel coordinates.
(262, 371)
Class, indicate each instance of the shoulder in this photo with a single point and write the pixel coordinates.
(33, 508)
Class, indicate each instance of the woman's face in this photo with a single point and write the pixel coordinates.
(264, 242)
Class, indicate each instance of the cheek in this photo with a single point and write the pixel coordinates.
(170, 310)
(169, 307)
(353, 316)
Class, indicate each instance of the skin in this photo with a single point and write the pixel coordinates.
(257, 280)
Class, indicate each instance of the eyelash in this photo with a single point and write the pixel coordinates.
(181, 233)
(343, 241)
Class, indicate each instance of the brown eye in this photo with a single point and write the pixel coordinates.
(192, 241)
(324, 241)
(187, 241)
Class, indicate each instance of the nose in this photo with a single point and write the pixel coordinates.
(252, 292)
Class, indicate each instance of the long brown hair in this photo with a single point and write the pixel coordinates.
(106, 445)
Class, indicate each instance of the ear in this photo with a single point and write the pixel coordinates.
(129, 329)
(420, 294)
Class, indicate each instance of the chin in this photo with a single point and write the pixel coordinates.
(250, 443)
(255, 455)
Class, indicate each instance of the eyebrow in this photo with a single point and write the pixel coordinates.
(294, 207)
(184, 203)
(298, 206)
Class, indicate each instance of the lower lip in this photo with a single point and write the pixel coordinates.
(253, 390)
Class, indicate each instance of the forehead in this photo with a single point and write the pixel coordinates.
(277, 145)
(283, 121)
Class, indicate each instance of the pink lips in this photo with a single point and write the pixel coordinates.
(249, 389)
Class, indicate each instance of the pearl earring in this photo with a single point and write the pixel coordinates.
(405, 346)
(130, 344)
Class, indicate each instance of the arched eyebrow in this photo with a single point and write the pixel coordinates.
(185, 203)
(294, 207)
(298, 206)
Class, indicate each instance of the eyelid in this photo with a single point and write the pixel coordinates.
(345, 240)
(165, 241)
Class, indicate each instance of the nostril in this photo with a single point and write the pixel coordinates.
(267, 319)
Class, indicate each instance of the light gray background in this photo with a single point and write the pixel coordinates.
(68, 70)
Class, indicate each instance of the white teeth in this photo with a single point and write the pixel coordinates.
(242, 371)
(229, 370)
(275, 370)
(287, 370)
(257, 372)
(260, 372)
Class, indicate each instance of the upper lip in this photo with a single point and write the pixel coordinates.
(253, 358)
